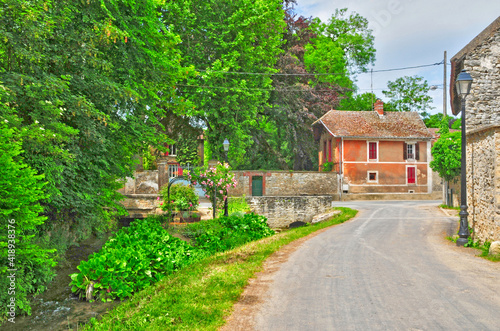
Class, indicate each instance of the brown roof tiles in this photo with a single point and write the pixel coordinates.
(368, 124)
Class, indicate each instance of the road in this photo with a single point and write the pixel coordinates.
(390, 268)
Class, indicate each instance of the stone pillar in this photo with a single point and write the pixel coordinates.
(162, 172)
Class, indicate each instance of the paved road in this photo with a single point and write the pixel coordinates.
(387, 269)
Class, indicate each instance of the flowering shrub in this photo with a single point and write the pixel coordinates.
(182, 197)
(214, 180)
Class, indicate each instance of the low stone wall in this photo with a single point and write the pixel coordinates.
(141, 205)
(144, 182)
(483, 182)
(287, 183)
(284, 210)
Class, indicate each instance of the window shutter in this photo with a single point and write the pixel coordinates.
(417, 151)
(405, 151)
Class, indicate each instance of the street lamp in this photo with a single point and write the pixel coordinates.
(225, 144)
(463, 84)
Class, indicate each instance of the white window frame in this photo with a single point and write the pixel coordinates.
(414, 148)
(368, 151)
(368, 176)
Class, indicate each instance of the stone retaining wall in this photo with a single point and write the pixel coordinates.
(284, 210)
(287, 183)
(483, 183)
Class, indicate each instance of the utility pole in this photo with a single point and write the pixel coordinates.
(445, 90)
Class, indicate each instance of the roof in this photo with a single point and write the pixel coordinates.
(369, 124)
(457, 61)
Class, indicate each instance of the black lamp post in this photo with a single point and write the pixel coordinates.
(463, 84)
(225, 144)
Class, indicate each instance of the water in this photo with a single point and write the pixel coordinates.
(57, 308)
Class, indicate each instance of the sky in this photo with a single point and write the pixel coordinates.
(412, 33)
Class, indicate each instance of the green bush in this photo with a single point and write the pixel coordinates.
(229, 232)
(132, 260)
(184, 197)
(24, 266)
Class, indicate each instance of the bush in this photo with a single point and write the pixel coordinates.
(132, 260)
(24, 266)
(229, 232)
(184, 197)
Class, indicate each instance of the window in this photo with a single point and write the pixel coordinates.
(372, 151)
(372, 176)
(411, 151)
(172, 150)
(410, 172)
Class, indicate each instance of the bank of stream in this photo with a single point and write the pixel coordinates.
(58, 308)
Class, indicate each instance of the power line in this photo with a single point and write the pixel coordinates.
(315, 74)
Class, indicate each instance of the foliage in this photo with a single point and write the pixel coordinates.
(327, 166)
(222, 39)
(182, 197)
(446, 155)
(237, 205)
(133, 259)
(21, 189)
(437, 121)
(362, 101)
(148, 159)
(201, 297)
(338, 47)
(88, 81)
(187, 149)
(233, 231)
(215, 181)
(408, 93)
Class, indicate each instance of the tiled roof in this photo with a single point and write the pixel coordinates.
(368, 124)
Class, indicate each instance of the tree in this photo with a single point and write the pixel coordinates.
(300, 97)
(362, 101)
(89, 81)
(21, 190)
(224, 40)
(446, 154)
(408, 93)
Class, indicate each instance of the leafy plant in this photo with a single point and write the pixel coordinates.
(232, 231)
(182, 197)
(327, 166)
(21, 190)
(132, 260)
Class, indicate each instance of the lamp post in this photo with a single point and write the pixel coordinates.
(463, 84)
(225, 144)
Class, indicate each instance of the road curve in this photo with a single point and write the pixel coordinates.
(387, 269)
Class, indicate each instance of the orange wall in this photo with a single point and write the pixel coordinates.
(355, 150)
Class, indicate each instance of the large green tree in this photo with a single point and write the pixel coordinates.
(409, 93)
(89, 80)
(315, 69)
(446, 153)
(363, 101)
(224, 40)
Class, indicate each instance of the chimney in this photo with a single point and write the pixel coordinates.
(379, 107)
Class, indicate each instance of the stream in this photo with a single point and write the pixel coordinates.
(58, 308)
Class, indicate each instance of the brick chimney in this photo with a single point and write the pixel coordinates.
(379, 107)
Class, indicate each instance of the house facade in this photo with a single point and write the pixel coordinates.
(481, 59)
(375, 151)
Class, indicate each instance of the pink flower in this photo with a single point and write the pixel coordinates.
(157, 198)
(161, 203)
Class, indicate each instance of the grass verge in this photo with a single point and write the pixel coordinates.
(200, 296)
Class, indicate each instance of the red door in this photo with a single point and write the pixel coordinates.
(411, 175)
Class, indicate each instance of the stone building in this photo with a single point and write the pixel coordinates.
(481, 59)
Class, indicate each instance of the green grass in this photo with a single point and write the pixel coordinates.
(200, 296)
(448, 207)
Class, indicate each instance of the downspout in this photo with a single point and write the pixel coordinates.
(341, 167)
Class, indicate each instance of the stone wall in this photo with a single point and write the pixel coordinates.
(483, 64)
(144, 182)
(287, 183)
(282, 211)
(141, 205)
(483, 182)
